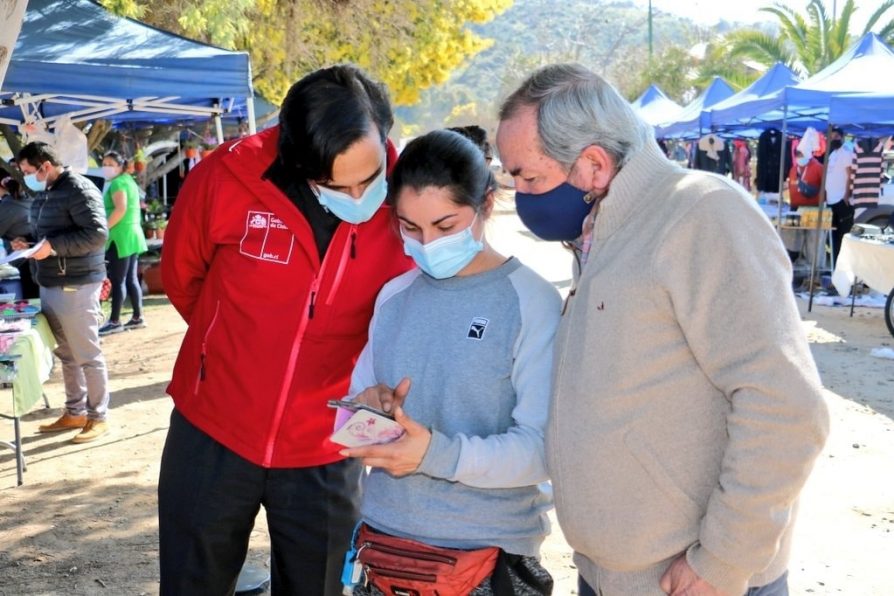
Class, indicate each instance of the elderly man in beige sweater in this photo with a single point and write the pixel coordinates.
(687, 409)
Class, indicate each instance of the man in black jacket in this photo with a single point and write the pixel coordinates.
(68, 221)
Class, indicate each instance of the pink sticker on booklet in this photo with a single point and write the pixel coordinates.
(359, 425)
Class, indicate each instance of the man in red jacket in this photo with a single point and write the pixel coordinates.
(276, 250)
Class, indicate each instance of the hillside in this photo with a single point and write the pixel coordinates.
(610, 37)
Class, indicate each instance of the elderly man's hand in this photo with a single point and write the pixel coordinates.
(681, 580)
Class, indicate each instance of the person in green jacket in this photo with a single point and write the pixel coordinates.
(126, 242)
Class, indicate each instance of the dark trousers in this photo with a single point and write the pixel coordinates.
(30, 289)
(842, 221)
(208, 498)
(123, 275)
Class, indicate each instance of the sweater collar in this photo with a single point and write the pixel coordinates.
(632, 189)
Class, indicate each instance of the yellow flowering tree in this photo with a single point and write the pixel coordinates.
(407, 44)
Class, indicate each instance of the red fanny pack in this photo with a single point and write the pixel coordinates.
(403, 567)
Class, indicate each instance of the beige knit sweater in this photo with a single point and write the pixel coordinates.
(688, 409)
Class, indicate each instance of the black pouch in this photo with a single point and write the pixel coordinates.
(515, 575)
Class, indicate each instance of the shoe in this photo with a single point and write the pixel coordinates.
(135, 324)
(92, 431)
(65, 422)
(110, 328)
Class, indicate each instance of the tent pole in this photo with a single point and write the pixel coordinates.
(820, 238)
(164, 188)
(250, 107)
(218, 127)
(782, 172)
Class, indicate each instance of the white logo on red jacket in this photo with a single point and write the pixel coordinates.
(266, 238)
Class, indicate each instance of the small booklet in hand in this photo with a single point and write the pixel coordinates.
(358, 425)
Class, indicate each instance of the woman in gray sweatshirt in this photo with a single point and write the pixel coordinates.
(461, 348)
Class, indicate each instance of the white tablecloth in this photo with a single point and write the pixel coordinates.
(870, 261)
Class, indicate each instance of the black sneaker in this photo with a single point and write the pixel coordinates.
(135, 324)
(110, 328)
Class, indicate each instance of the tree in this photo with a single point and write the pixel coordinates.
(808, 42)
(408, 44)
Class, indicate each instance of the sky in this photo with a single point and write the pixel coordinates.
(708, 12)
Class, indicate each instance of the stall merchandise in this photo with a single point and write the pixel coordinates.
(866, 179)
(769, 152)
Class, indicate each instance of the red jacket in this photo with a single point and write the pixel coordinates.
(273, 332)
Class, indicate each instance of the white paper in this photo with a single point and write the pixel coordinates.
(21, 254)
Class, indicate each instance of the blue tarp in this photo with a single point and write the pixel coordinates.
(864, 113)
(865, 67)
(78, 51)
(692, 121)
(655, 107)
(735, 111)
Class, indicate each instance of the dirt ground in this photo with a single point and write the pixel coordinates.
(84, 522)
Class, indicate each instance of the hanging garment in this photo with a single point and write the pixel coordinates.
(713, 155)
(769, 151)
(742, 163)
(866, 177)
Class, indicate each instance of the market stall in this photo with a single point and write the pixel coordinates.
(26, 360)
(869, 260)
(655, 107)
(75, 58)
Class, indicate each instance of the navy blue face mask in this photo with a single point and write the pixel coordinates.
(557, 214)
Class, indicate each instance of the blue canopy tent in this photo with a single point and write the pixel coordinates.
(655, 107)
(866, 112)
(729, 114)
(74, 57)
(693, 120)
(863, 68)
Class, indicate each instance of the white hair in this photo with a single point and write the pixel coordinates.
(577, 108)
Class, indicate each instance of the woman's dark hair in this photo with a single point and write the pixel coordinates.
(11, 185)
(325, 113)
(477, 135)
(37, 153)
(117, 157)
(443, 159)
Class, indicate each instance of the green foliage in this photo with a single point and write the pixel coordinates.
(609, 37)
(809, 41)
(408, 44)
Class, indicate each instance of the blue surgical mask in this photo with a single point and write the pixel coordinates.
(351, 210)
(444, 257)
(802, 161)
(557, 214)
(33, 183)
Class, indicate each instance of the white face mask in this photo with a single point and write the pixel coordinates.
(109, 172)
(351, 210)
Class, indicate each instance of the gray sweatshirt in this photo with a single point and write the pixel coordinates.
(478, 350)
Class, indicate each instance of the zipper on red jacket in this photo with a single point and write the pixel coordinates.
(290, 368)
(347, 251)
(299, 338)
(201, 376)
